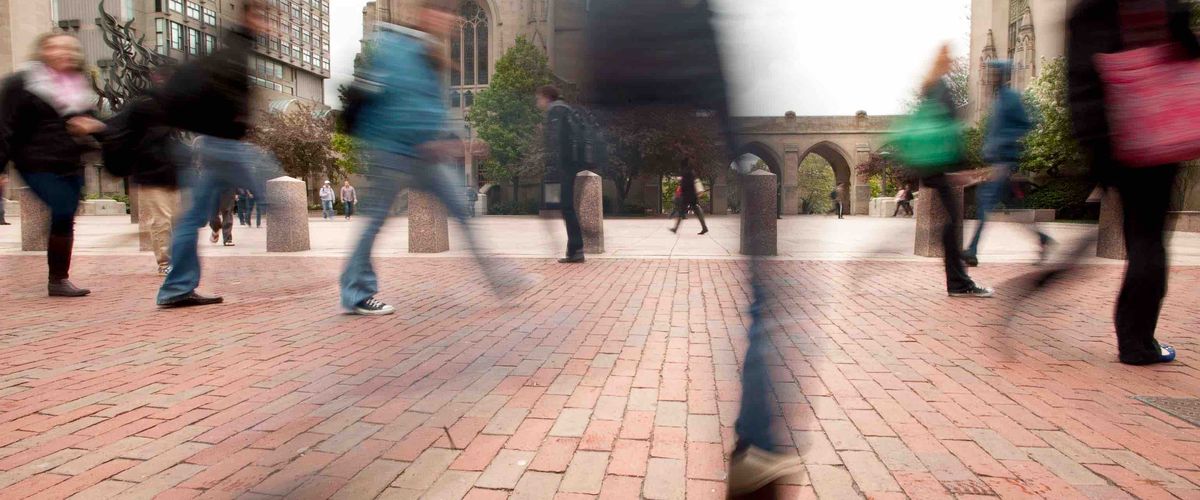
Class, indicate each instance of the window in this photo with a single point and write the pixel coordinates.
(210, 17)
(177, 6)
(176, 36)
(210, 44)
(160, 36)
(469, 52)
(193, 10)
(285, 49)
(193, 42)
(157, 5)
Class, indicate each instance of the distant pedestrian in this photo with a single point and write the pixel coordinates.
(904, 199)
(837, 202)
(472, 198)
(327, 199)
(240, 196)
(155, 169)
(252, 208)
(677, 208)
(562, 160)
(3, 184)
(690, 198)
(48, 113)
(349, 198)
(221, 220)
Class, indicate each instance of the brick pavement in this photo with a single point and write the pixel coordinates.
(615, 379)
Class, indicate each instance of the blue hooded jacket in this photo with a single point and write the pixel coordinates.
(1009, 122)
(406, 107)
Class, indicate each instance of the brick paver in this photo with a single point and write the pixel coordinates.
(615, 379)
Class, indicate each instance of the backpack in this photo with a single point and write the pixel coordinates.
(119, 142)
(589, 146)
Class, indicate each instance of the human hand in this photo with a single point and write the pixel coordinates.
(84, 125)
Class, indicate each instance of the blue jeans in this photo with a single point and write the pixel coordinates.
(389, 173)
(348, 208)
(986, 198)
(753, 426)
(224, 165)
(327, 209)
(60, 193)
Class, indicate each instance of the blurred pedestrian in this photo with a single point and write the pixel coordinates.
(154, 167)
(240, 196)
(1006, 129)
(252, 208)
(904, 199)
(221, 220)
(837, 202)
(936, 92)
(563, 160)
(677, 209)
(3, 184)
(690, 198)
(210, 97)
(327, 199)
(1109, 27)
(48, 118)
(349, 198)
(399, 119)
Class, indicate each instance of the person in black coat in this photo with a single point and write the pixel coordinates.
(561, 160)
(1109, 26)
(47, 120)
(689, 199)
(155, 170)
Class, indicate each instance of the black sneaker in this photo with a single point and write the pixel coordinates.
(970, 260)
(373, 307)
(572, 259)
(975, 292)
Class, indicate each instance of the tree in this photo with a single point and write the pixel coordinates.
(958, 79)
(347, 160)
(1050, 147)
(301, 140)
(816, 182)
(506, 117)
(656, 141)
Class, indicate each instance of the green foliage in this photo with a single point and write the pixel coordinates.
(877, 166)
(1050, 147)
(347, 154)
(300, 140)
(527, 207)
(816, 181)
(973, 142)
(876, 184)
(1067, 195)
(506, 117)
(655, 142)
(667, 192)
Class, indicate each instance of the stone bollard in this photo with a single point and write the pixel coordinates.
(428, 229)
(932, 216)
(134, 205)
(287, 227)
(759, 214)
(1110, 242)
(589, 205)
(35, 221)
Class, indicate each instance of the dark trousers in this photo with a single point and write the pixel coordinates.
(243, 210)
(570, 216)
(903, 205)
(838, 208)
(222, 220)
(60, 193)
(1145, 199)
(957, 279)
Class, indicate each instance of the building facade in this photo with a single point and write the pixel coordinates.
(21, 21)
(1027, 32)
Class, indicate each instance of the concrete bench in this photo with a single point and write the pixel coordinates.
(101, 207)
(882, 207)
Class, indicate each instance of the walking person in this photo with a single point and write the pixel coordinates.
(242, 213)
(221, 221)
(327, 199)
(47, 120)
(689, 198)
(210, 97)
(1008, 125)
(349, 198)
(1108, 27)
(252, 208)
(399, 123)
(837, 202)
(562, 158)
(936, 92)
(155, 172)
(904, 199)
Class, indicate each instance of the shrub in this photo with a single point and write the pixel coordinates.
(1066, 195)
(529, 207)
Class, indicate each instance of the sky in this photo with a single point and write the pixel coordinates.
(814, 57)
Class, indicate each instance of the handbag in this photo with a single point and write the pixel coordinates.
(929, 140)
(699, 187)
(1152, 96)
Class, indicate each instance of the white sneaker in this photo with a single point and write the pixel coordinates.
(373, 307)
(755, 468)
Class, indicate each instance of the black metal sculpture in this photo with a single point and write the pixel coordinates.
(131, 66)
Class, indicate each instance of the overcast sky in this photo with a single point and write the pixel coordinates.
(814, 57)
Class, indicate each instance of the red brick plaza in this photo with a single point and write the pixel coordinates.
(616, 379)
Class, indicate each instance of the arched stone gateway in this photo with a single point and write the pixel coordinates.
(844, 141)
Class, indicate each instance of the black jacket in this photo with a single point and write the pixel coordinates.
(211, 96)
(32, 133)
(1095, 28)
(153, 161)
(558, 141)
(687, 185)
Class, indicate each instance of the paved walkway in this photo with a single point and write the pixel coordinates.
(808, 238)
(614, 379)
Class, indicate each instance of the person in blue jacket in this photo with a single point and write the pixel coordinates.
(1008, 125)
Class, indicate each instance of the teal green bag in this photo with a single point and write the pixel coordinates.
(929, 141)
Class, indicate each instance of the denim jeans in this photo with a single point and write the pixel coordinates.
(389, 173)
(224, 165)
(986, 198)
(348, 208)
(327, 209)
(60, 193)
(753, 426)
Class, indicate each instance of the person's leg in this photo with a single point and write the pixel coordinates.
(1145, 199)
(957, 279)
(753, 425)
(571, 218)
(700, 215)
(156, 207)
(988, 196)
(61, 195)
(254, 206)
(386, 174)
(227, 224)
(185, 258)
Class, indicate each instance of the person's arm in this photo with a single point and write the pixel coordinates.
(1179, 22)
(556, 132)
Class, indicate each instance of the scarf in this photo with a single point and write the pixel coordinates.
(68, 93)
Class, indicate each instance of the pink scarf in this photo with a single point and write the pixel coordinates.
(68, 93)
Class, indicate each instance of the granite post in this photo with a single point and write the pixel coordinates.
(759, 214)
(932, 217)
(287, 228)
(589, 205)
(134, 205)
(428, 229)
(35, 221)
(1110, 243)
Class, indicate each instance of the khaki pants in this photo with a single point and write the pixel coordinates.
(156, 210)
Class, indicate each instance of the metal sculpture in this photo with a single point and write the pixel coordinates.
(131, 66)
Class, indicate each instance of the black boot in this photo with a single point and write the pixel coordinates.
(64, 288)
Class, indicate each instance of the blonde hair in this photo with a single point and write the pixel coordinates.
(40, 43)
(942, 64)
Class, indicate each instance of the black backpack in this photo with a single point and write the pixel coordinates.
(589, 146)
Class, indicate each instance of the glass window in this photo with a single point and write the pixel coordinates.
(210, 17)
(193, 42)
(160, 35)
(469, 50)
(210, 44)
(193, 10)
(177, 6)
(176, 36)
(157, 5)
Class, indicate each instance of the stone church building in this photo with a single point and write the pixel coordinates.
(1026, 32)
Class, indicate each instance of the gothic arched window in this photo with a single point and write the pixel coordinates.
(469, 52)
